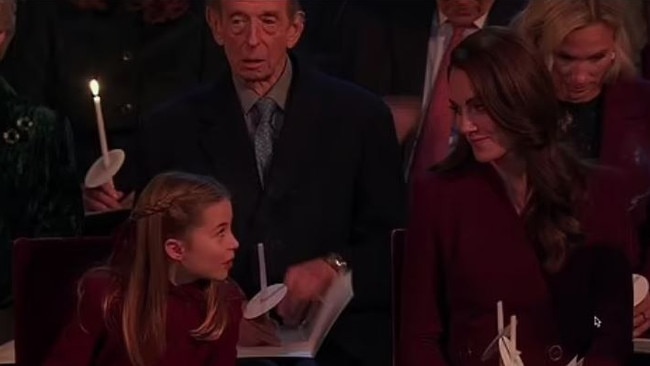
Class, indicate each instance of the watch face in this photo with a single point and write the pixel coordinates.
(336, 262)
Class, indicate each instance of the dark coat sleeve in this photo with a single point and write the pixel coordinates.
(612, 339)
(422, 291)
(379, 207)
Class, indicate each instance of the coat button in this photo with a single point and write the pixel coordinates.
(555, 353)
(11, 136)
(127, 56)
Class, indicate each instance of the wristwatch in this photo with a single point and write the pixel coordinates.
(336, 262)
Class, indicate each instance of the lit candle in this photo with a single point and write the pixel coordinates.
(94, 88)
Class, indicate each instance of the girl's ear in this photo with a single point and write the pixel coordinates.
(175, 249)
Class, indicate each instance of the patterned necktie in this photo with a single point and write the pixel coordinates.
(265, 111)
(433, 144)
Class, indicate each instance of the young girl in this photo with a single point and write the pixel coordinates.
(165, 298)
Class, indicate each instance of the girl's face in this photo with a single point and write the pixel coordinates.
(209, 249)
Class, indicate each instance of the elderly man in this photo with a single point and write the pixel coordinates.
(312, 162)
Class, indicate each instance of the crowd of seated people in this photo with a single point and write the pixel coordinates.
(509, 138)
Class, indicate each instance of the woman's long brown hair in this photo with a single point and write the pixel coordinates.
(168, 207)
(518, 93)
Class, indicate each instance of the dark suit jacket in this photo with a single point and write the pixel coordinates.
(645, 61)
(466, 249)
(385, 48)
(625, 146)
(335, 183)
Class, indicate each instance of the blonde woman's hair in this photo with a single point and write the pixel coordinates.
(170, 205)
(546, 23)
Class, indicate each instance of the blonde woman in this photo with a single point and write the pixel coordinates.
(166, 298)
(586, 47)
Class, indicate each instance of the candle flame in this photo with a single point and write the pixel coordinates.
(94, 87)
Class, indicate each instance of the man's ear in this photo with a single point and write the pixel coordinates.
(175, 249)
(215, 24)
(296, 29)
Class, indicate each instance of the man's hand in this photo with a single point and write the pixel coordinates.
(642, 317)
(105, 198)
(306, 283)
(261, 331)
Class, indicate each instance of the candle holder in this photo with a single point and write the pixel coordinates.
(505, 342)
(265, 301)
(103, 171)
(269, 296)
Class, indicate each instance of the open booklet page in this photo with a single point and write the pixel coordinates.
(305, 340)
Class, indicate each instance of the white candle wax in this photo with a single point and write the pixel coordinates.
(513, 333)
(262, 263)
(499, 317)
(94, 87)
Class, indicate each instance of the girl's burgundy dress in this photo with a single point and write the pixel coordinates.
(88, 341)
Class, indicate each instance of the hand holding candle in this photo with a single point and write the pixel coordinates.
(104, 169)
